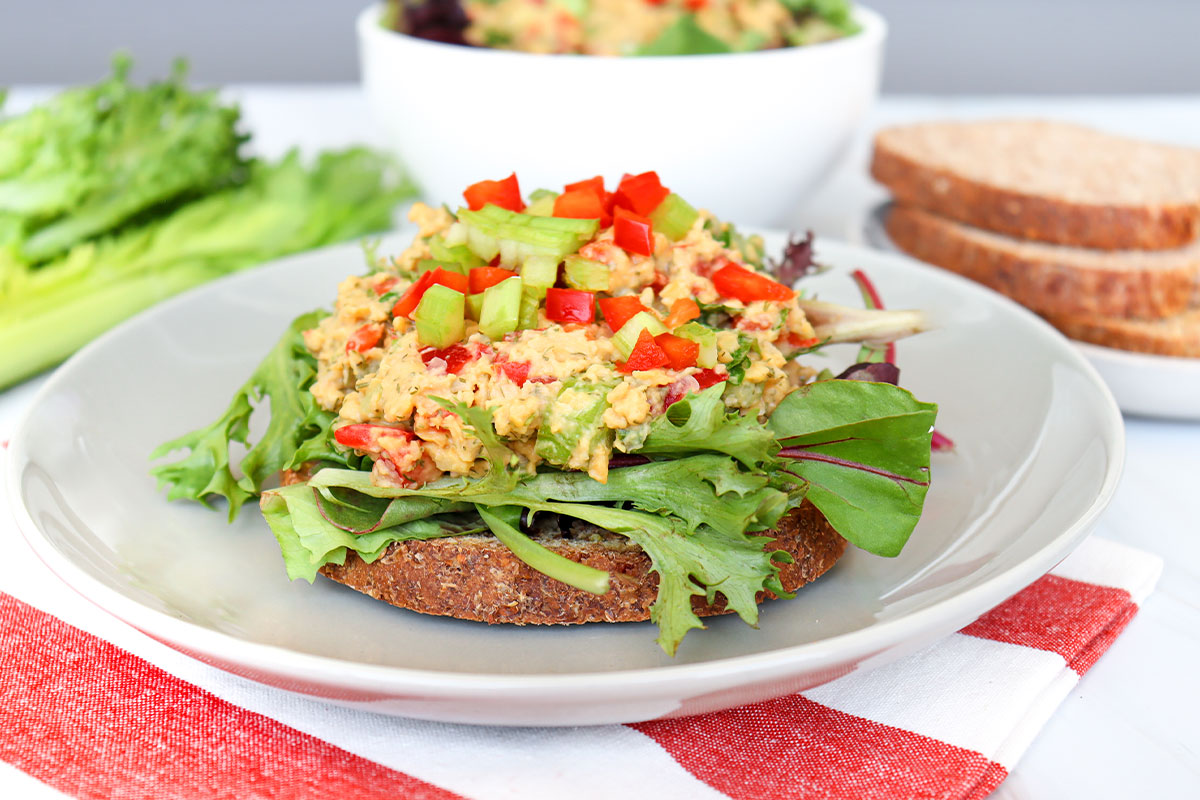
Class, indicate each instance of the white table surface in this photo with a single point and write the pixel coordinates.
(1132, 726)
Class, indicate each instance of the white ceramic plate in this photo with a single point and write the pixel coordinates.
(1040, 447)
(1143, 384)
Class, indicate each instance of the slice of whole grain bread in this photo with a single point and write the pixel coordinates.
(1173, 336)
(475, 577)
(1050, 278)
(1045, 181)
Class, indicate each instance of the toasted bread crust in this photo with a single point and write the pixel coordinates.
(478, 578)
(1052, 279)
(1116, 224)
(1176, 336)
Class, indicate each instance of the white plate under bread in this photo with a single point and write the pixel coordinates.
(1040, 444)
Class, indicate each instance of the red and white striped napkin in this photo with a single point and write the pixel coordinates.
(93, 720)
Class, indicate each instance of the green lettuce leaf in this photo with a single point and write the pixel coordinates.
(95, 157)
(701, 423)
(701, 489)
(503, 521)
(283, 379)
(864, 450)
(358, 513)
(684, 37)
(49, 309)
(700, 561)
(308, 541)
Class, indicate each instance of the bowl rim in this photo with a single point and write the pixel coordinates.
(874, 29)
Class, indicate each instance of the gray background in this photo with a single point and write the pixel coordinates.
(937, 46)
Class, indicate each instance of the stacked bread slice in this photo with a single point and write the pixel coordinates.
(1097, 233)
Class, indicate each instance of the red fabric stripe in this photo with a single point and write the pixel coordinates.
(1067, 617)
(94, 721)
(794, 748)
(1086, 658)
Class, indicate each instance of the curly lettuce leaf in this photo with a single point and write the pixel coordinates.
(51, 309)
(308, 540)
(93, 158)
(864, 450)
(703, 489)
(701, 423)
(282, 379)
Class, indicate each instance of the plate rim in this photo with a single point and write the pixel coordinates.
(195, 639)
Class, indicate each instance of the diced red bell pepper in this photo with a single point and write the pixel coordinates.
(685, 309)
(365, 436)
(585, 203)
(681, 353)
(517, 371)
(640, 194)
(695, 5)
(385, 284)
(570, 305)
(595, 184)
(618, 310)
(481, 278)
(504, 193)
(796, 340)
(456, 356)
(646, 354)
(409, 301)
(704, 379)
(633, 232)
(740, 283)
(365, 338)
(709, 377)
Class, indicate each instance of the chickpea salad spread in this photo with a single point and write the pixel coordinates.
(611, 356)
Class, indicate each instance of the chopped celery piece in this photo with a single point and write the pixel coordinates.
(625, 339)
(501, 308)
(474, 306)
(515, 237)
(455, 235)
(541, 203)
(482, 244)
(506, 217)
(674, 217)
(539, 273)
(530, 301)
(704, 336)
(458, 254)
(440, 316)
(426, 264)
(583, 273)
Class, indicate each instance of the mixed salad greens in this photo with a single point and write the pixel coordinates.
(694, 484)
(115, 196)
(625, 27)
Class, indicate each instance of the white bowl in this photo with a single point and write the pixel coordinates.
(747, 135)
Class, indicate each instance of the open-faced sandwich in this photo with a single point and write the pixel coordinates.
(593, 407)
